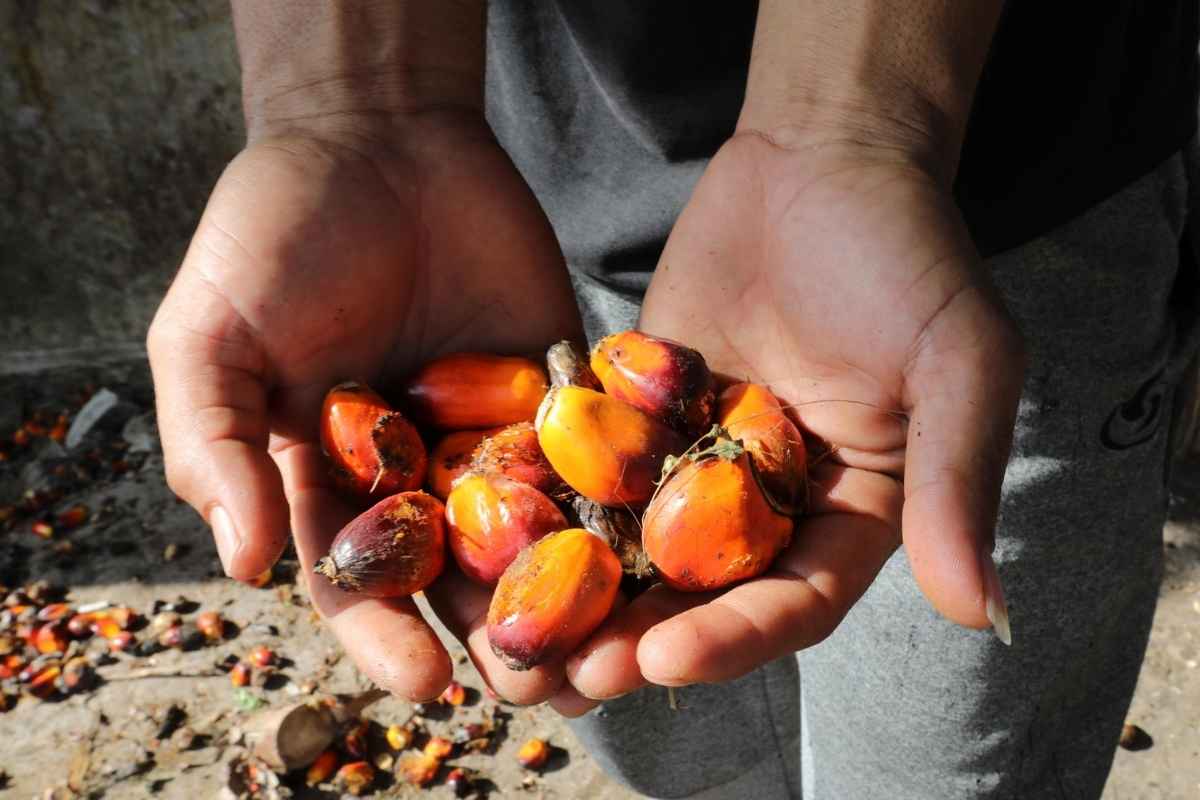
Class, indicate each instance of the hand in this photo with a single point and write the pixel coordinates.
(350, 254)
(842, 276)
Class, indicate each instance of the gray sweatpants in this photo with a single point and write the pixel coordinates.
(904, 705)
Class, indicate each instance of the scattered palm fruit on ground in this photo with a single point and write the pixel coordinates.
(534, 754)
(420, 769)
(399, 737)
(618, 464)
(355, 777)
(371, 447)
(455, 694)
(322, 769)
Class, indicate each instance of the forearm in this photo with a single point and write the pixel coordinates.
(894, 73)
(308, 63)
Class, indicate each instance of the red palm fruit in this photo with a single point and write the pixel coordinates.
(663, 378)
(451, 458)
(490, 518)
(439, 748)
(395, 548)
(467, 391)
(556, 592)
(604, 448)
(211, 624)
(51, 638)
(515, 453)
(420, 769)
(534, 754)
(54, 611)
(121, 616)
(399, 736)
(44, 682)
(240, 674)
(123, 640)
(710, 524)
(455, 694)
(354, 741)
(261, 656)
(372, 447)
(355, 777)
(752, 415)
(321, 769)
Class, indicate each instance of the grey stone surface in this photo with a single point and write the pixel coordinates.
(115, 120)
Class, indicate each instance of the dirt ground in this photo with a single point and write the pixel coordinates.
(140, 547)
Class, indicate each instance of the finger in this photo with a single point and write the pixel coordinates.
(834, 559)
(387, 638)
(570, 703)
(963, 385)
(462, 605)
(209, 383)
(606, 665)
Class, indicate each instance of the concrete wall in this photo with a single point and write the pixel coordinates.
(116, 117)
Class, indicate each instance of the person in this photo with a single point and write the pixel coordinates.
(805, 193)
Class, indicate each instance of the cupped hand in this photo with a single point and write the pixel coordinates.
(843, 277)
(322, 258)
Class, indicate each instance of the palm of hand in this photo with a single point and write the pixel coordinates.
(318, 262)
(849, 286)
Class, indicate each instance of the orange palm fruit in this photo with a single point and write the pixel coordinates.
(322, 769)
(556, 592)
(476, 390)
(452, 458)
(395, 548)
(710, 524)
(514, 452)
(372, 447)
(490, 518)
(752, 415)
(665, 379)
(604, 448)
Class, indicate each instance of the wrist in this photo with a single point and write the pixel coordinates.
(332, 69)
(895, 77)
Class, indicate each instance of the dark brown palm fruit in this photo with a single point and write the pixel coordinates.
(393, 549)
(374, 450)
(665, 379)
(617, 526)
(567, 365)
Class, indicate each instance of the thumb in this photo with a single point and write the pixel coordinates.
(212, 408)
(962, 386)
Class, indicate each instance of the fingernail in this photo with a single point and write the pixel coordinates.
(995, 605)
(225, 535)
